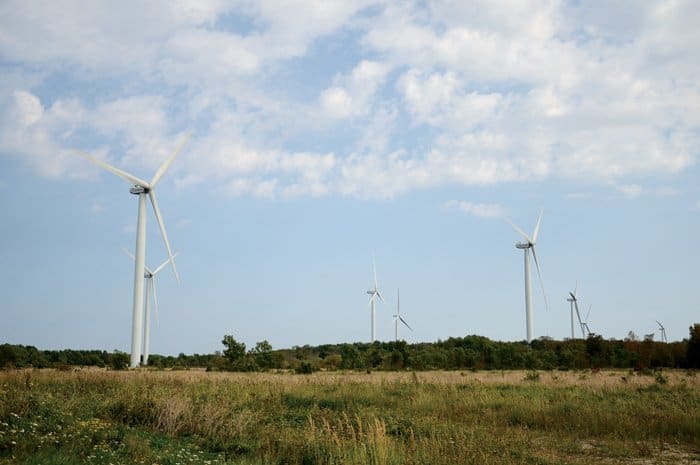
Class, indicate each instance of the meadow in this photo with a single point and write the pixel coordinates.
(481, 417)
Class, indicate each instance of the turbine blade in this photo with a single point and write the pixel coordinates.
(520, 231)
(122, 174)
(539, 275)
(371, 299)
(537, 227)
(578, 314)
(588, 313)
(381, 296)
(162, 265)
(156, 210)
(573, 296)
(374, 270)
(398, 302)
(134, 259)
(128, 252)
(155, 298)
(404, 322)
(164, 167)
(575, 289)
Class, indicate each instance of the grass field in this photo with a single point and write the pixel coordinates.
(488, 417)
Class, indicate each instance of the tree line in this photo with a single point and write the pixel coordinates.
(456, 353)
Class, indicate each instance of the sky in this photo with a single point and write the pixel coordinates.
(326, 135)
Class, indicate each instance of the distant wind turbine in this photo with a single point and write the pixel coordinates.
(573, 300)
(398, 317)
(150, 277)
(374, 292)
(141, 188)
(663, 331)
(526, 246)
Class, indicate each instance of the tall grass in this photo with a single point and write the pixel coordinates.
(162, 417)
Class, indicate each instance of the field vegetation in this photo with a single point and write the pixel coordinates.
(454, 353)
(349, 417)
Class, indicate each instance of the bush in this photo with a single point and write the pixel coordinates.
(305, 368)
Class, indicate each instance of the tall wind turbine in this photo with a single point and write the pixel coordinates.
(663, 331)
(398, 317)
(374, 292)
(150, 286)
(526, 246)
(573, 300)
(142, 189)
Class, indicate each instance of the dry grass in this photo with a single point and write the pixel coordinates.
(581, 378)
(355, 418)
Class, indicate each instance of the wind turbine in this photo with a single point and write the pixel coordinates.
(573, 300)
(398, 317)
(141, 188)
(663, 331)
(526, 246)
(374, 292)
(150, 286)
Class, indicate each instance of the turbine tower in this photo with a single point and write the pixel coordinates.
(142, 189)
(573, 300)
(398, 317)
(374, 292)
(663, 331)
(526, 246)
(150, 287)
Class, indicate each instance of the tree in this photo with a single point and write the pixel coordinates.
(693, 357)
(263, 354)
(119, 360)
(234, 350)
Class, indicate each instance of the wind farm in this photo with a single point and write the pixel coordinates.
(284, 148)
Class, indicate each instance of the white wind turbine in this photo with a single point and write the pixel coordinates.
(663, 331)
(573, 300)
(150, 277)
(374, 292)
(526, 246)
(398, 317)
(141, 188)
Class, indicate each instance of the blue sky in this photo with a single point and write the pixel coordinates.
(324, 133)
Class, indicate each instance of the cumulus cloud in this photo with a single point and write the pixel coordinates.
(352, 95)
(409, 95)
(481, 210)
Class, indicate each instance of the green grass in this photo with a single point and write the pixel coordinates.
(49, 417)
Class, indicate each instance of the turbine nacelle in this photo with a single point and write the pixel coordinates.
(137, 190)
(524, 245)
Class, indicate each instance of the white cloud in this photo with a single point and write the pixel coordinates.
(352, 95)
(37, 134)
(431, 95)
(630, 191)
(481, 210)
